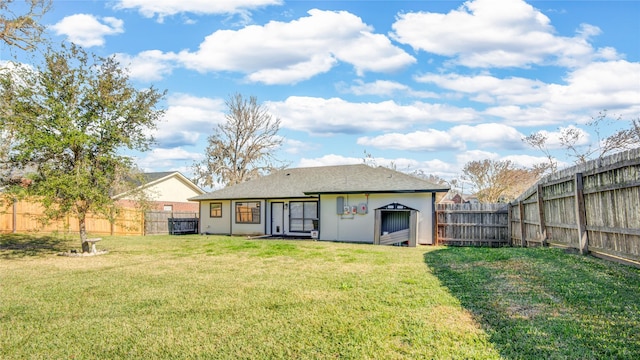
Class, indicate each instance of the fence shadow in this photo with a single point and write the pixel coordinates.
(22, 245)
(544, 303)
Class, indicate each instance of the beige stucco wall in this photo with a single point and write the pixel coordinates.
(226, 224)
(218, 225)
(360, 228)
(172, 189)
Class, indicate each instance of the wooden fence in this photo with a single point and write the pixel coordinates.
(156, 222)
(25, 217)
(593, 208)
(472, 224)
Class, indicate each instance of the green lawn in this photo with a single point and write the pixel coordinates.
(208, 297)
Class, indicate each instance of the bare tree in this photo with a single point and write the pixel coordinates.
(22, 29)
(538, 140)
(572, 140)
(242, 148)
(500, 181)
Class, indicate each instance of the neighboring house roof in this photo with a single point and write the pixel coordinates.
(311, 181)
(153, 178)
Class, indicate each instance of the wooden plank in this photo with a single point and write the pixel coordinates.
(581, 217)
(523, 236)
(394, 237)
(543, 229)
(612, 187)
(614, 230)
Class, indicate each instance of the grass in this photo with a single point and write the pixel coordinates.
(203, 297)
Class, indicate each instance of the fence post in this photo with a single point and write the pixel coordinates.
(543, 227)
(522, 229)
(509, 218)
(581, 218)
(15, 215)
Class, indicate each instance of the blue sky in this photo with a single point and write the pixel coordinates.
(427, 85)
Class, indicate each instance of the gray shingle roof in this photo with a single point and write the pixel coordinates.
(311, 181)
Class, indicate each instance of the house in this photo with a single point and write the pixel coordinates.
(453, 197)
(351, 203)
(168, 191)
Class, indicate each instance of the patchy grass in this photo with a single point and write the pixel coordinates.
(232, 298)
(545, 303)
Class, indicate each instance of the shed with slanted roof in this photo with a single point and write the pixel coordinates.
(350, 203)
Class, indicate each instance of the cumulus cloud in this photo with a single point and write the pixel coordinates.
(168, 158)
(483, 33)
(151, 65)
(337, 116)
(87, 30)
(383, 88)
(526, 102)
(489, 135)
(289, 52)
(427, 140)
(164, 8)
(189, 119)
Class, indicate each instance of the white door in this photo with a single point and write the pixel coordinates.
(277, 218)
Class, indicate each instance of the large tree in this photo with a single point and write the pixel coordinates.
(20, 24)
(500, 180)
(243, 147)
(72, 118)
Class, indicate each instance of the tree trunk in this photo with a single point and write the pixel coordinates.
(83, 233)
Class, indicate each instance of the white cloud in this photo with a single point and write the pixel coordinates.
(286, 53)
(189, 119)
(486, 33)
(151, 65)
(383, 88)
(428, 140)
(489, 135)
(335, 115)
(490, 89)
(151, 8)
(87, 30)
(329, 160)
(609, 85)
(168, 159)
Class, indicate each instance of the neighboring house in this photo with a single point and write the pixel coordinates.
(168, 191)
(351, 203)
(453, 197)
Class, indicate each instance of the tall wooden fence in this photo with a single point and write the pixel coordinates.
(25, 217)
(472, 224)
(593, 208)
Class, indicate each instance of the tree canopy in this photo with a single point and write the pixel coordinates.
(243, 147)
(71, 119)
(500, 180)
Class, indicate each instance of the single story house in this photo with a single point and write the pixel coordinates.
(350, 203)
(166, 191)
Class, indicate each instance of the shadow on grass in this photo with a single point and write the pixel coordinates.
(21, 245)
(545, 303)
